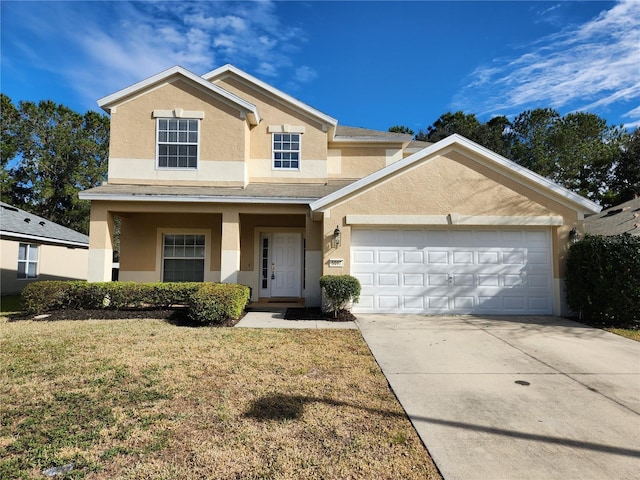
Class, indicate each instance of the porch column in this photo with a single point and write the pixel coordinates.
(100, 243)
(230, 247)
(313, 262)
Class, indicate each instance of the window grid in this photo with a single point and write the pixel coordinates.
(265, 262)
(27, 261)
(178, 143)
(286, 150)
(183, 258)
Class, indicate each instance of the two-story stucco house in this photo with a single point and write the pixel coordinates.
(222, 177)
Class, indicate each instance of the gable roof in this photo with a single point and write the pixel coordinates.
(486, 156)
(226, 70)
(114, 99)
(20, 225)
(623, 218)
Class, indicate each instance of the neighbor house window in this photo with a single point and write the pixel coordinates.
(286, 150)
(178, 143)
(183, 258)
(27, 260)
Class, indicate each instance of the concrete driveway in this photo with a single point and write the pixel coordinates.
(514, 397)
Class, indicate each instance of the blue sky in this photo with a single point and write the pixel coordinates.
(368, 64)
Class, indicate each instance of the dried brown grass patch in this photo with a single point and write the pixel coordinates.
(138, 399)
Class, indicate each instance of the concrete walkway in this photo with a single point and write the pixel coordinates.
(514, 398)
(276, 320)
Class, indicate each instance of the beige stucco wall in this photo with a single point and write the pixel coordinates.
(140, 233)
(132, 149)
(54, 263)
(313, 141)
(451, 184)
(357, 161)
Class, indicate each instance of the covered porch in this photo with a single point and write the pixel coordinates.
(274, 249)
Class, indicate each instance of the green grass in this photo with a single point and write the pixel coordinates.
(142, 399)
(10, 304)
(625, 332)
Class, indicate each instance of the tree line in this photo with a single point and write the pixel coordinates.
(579, 151)
(49, 153)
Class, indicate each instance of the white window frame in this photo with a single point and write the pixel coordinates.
(204, 258)
(274, 151)
(177, 143)
(28, 260)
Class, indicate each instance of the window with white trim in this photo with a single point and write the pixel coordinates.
(27, 260)
(183, 258)
(178, 142)
(286, 151)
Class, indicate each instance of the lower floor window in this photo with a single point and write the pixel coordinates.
(27, 260)
(183, 258)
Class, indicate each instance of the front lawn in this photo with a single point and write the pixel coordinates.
(148, 399)
(626, 332)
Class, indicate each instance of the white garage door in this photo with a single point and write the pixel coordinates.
(453, 271)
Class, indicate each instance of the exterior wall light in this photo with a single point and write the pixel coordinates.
(337, 236)
(574, 236)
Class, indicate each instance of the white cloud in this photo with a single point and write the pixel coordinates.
(305, 74)
(101, 50)
(589, 66)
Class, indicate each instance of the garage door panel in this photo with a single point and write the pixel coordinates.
(413, 257)
(388, 280)
(470, 271)
(413, 279)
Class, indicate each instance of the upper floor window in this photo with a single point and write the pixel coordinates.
(178, 143)
(27, 260)
(286, 150)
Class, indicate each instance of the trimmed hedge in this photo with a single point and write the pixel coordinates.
(339, 291)
(217, 302)
(603, 280)
(207, 302)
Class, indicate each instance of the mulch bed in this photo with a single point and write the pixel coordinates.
(175, 316)
(317, 314)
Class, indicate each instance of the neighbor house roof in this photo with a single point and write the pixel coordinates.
(623, 218)
(20, 225)
(114, 99)
(484, 155)
(300, 193)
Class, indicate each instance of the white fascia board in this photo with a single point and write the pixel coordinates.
(251, 110)
(192, 198)
(37, 238)
(225, 69)
(512, 169)
(455, 219)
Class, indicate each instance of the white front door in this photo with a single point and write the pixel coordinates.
(286, 271)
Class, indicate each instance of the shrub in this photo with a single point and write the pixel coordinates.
(603, 280)
(217, 302)
(40, 297)
(339, 291)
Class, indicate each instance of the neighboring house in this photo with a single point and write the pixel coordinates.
(33, 248)
(222, 177)
(623, 218)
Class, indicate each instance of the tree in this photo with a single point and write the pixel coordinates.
(52, 153)
(401, 129)
(626, 173)
(449, 123)
(585, 151)
(532, 135)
